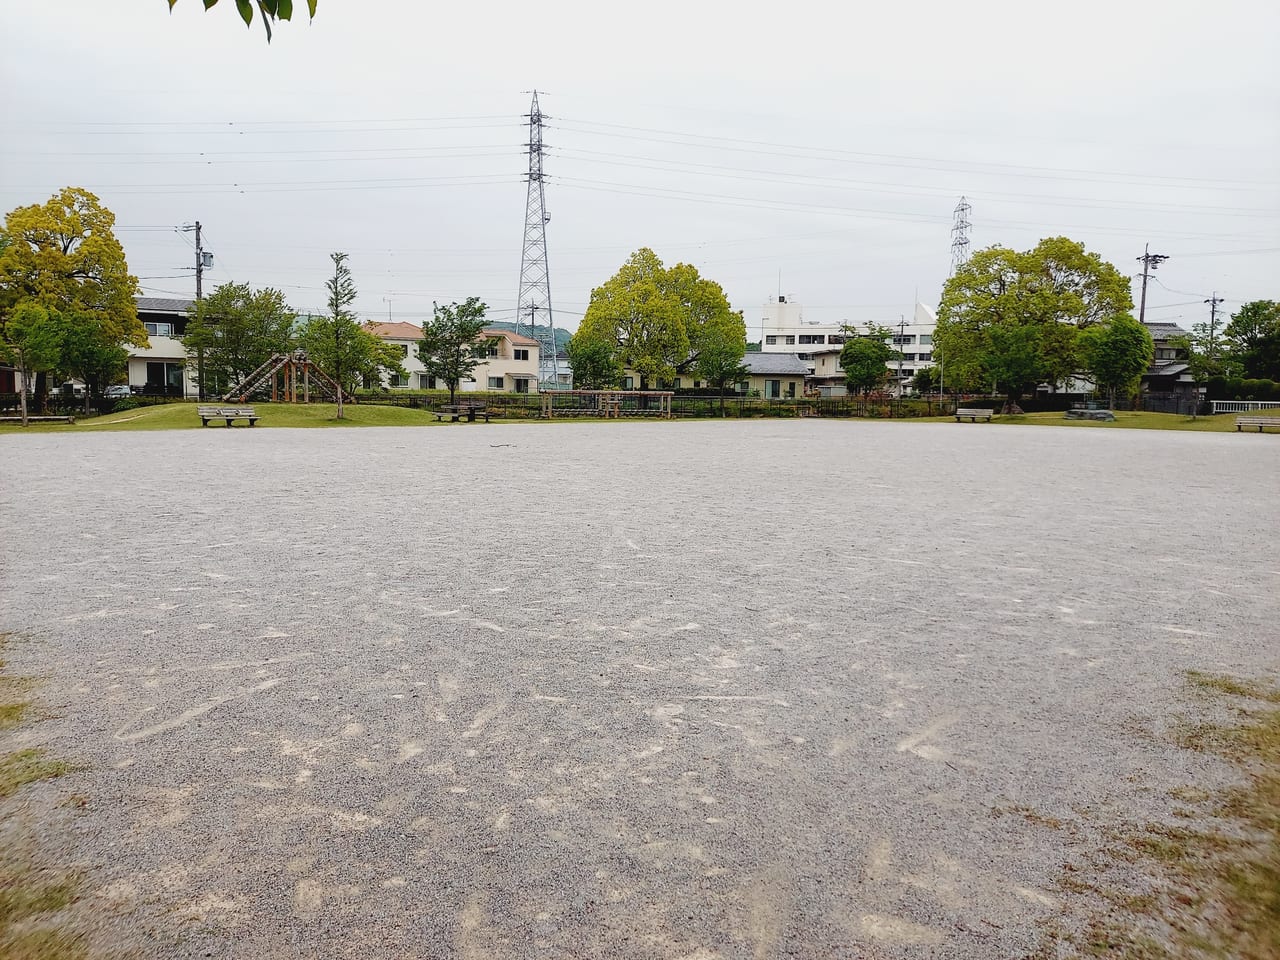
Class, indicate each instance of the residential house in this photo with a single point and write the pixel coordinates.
(1169, 376)
(508, 361)
(162, 367)
(774, 375)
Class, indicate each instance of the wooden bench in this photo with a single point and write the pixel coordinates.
(38, 419)
(1260, 422)
(226, 413)
(456, 410)
(974, 414)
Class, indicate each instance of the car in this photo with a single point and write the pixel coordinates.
(117, 391)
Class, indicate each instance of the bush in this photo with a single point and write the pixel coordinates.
(125, 403)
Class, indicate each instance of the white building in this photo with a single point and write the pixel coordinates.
(783, 329)
(509, 363)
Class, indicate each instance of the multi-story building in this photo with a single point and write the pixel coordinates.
(162, 367)
(509, 361)
(783, 329)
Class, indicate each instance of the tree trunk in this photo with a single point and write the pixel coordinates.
(1011, 403)
(41, 393)
(722, 401)
(453, 387)
(22, 394)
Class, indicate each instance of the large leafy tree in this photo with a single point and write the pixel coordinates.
(1253, 336)
(237, 329)
(659, 321)
(1012, 316)
(451, 343)
(271, 10)
(31, 340)
(720, 364)
(63, 255)
(864, 359)
(1116, 353)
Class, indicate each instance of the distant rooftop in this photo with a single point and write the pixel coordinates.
(780, 364)
(394, 331)
(163, 304)
(1164, 331)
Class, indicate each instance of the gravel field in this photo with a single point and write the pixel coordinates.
(688, 691)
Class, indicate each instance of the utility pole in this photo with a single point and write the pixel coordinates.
(202, 260)
(902, 325)
(1213, 302)
(1149, 262)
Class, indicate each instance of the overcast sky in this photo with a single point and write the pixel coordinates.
(825, 144)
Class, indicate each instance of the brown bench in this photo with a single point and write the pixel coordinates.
(457, 410)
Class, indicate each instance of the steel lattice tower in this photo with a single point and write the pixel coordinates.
(960, 235)
(535, 279)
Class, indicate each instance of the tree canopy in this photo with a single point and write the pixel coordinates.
(1012, 317)
(238, 329)
(660, 321)
(1253, 336)
(63, 255)
(448, 348)
(1116, 353)
(863, 359)
(593, 364)
(271, 10)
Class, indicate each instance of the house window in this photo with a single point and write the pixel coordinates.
(926, 357)
(903, 338)
(164, 378)
(1166, 353)
(426, 382)
(791, 341)
(675, 384)
(907, 372)
(628, 383)
(485, 351)
(522, 353)
(771, 340)
(396, 380)
(910, 357)
(926, 340)
(159, 329)
(773, 389)
(742, 386)
(497, 383)
(404, 350)
(813, 338)
(522, 384)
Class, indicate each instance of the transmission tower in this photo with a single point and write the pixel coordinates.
(960, 235)
(533, 305)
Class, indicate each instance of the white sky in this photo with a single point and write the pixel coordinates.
(826, 142)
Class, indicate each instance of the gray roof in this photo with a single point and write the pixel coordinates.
(1164, 331)
(778, 364)
(163, 304)
(1168, 368)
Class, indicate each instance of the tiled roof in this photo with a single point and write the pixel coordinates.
(163, 304)
(519, 339)
(1164, 331)
(783, 364)
(394, 331)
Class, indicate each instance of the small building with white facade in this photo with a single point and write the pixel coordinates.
(508, 364)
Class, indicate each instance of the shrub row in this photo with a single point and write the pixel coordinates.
(1238, 388)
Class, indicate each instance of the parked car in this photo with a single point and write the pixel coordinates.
(116, 391)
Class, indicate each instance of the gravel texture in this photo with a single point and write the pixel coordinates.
(690, 691)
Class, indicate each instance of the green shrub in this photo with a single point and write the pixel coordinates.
(125, 403)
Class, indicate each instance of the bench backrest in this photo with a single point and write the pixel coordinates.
(238, 411)
(976, 412)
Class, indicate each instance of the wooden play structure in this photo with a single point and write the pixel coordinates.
(607, 403)
(291, 378)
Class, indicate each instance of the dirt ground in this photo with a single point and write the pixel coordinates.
(690, 691)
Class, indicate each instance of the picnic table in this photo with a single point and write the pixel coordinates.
(470, 410)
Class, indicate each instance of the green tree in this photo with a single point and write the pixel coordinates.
(89, 355)
(335, 341)
(63, 255)
(1116, 353)
(271, 10)
(864, 359)
(1253, 337)
(451, 344)
(31, 340)
(660, 321)
(926, 380)
(721, 364)
(1011, 317)
(593, 364)
(238, 329)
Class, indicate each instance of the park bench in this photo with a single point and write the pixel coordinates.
(226, 413)
(1260, 422)
(457, 410)
(974, 414)
(1087, 414)
(67, 419)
